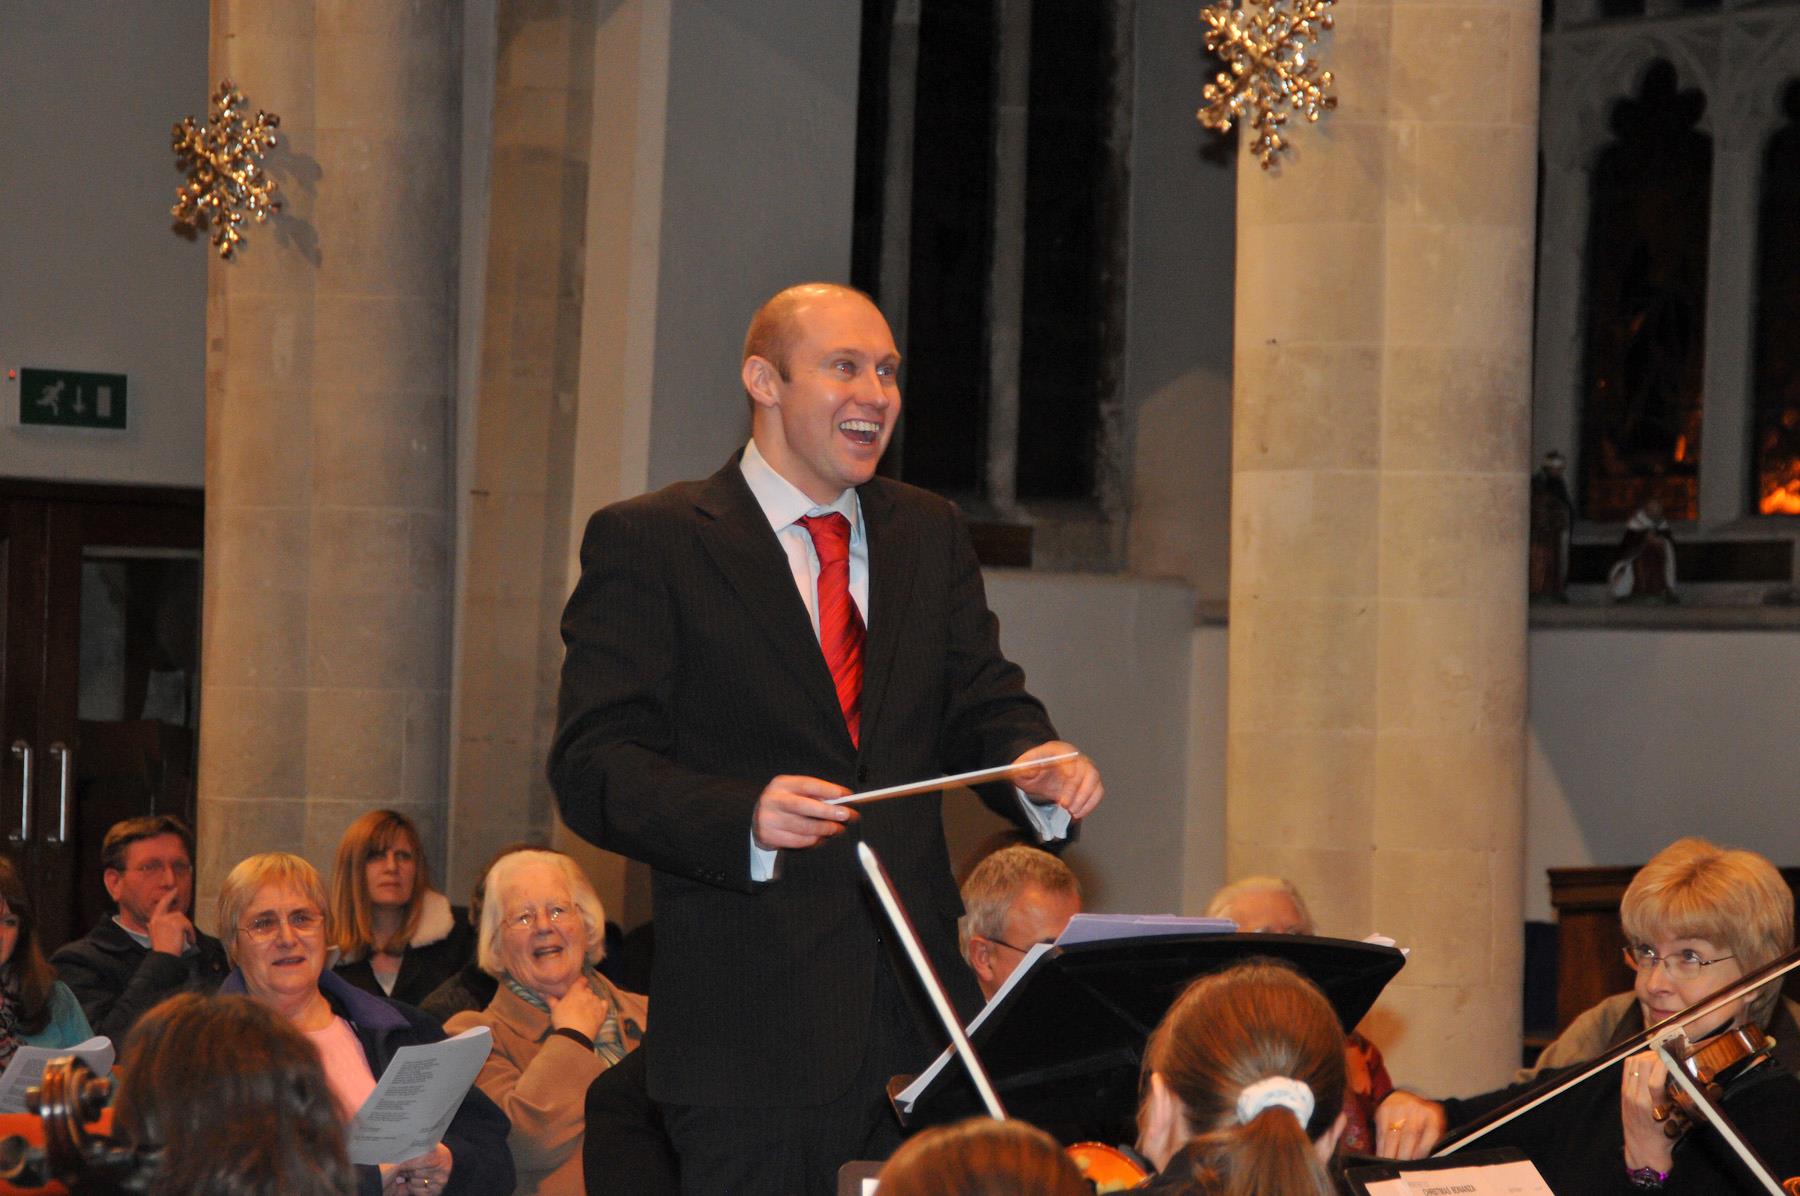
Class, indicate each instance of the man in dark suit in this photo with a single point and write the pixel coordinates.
(149, 950)
(718, 688)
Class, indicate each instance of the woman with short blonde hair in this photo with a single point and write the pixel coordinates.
(272, 918)
(226, 1098)
(1697, 918)
(1735, 899)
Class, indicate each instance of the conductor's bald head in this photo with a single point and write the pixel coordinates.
(775, 327)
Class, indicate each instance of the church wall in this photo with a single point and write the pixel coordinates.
(1635, 739)
(757, 184)
(1640, 737)
(1177, 390)
(1106, 656)
(95, 279)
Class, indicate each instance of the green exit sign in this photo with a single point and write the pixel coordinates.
(71, 399)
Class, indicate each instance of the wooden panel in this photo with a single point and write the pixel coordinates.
(1590, 966)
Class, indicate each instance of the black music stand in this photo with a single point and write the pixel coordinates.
(1063, 1045)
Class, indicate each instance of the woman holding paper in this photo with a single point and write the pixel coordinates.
(225, 1098)
(557, 1023)
(36, 1009)
(272, 919)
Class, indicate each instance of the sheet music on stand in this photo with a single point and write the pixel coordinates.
(1082, 928)
(1504, 1171)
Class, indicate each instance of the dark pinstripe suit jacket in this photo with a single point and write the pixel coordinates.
(692, 677)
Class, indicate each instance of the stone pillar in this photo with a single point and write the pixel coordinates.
(518, 458)
(1379, 501)
(329, 353)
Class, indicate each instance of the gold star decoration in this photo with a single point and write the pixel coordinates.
(223, 163)
(1267, 49)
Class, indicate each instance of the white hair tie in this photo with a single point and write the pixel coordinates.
(1288, 1093)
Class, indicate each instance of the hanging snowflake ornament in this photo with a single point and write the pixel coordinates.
(223, 163)
(1270, 71)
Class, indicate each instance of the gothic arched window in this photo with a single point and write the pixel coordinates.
(1644, 343)
(1775, 428)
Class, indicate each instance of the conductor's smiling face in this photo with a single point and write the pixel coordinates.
(825, 424)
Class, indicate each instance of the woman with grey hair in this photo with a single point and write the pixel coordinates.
(557, 1023)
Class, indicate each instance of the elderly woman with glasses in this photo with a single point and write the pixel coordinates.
(557, 1023)
(1697, 918)
(272, 918)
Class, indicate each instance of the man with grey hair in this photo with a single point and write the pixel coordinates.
(1262, 905)
(1016, 898)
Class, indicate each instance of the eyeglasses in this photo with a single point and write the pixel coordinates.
(1004, 943)
(264, 927)
(179, 869)
(526, 919)
(401, 855)
(1683, 965)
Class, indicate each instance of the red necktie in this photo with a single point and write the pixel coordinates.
(840, 624)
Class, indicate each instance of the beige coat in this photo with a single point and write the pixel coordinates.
(540, 1080)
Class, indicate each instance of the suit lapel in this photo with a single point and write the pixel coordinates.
(892, 564)
(741, 543)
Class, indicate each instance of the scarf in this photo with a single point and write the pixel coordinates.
(615, 1036)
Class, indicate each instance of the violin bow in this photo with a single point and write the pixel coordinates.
(1631, 1046)
(940, 1000)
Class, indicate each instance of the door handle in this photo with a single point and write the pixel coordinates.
(65, 790)
(22, 750)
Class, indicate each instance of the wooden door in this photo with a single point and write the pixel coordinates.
(99, 678)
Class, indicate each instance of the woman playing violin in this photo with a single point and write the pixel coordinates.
(1696, 918)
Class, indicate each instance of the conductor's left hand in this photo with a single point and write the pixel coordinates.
(1074, 784)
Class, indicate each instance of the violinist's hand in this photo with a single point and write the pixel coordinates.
(1406, 1125)
(1642, 1086)
(1074, 784)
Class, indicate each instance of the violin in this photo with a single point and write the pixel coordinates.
(1108, 1168)
(1711, 1065)
(66, 1143)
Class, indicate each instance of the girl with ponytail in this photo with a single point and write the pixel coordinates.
(1243, 1087)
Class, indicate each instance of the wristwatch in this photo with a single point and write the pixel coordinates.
(1647, 1178)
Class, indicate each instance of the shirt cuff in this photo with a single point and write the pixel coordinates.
(762, 861)
(1050, 821)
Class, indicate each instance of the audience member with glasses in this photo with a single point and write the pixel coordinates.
(149, 949)
(1696, 918)
(272, 911)
(557, 1023)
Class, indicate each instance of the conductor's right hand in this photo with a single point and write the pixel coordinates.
(791, 814)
